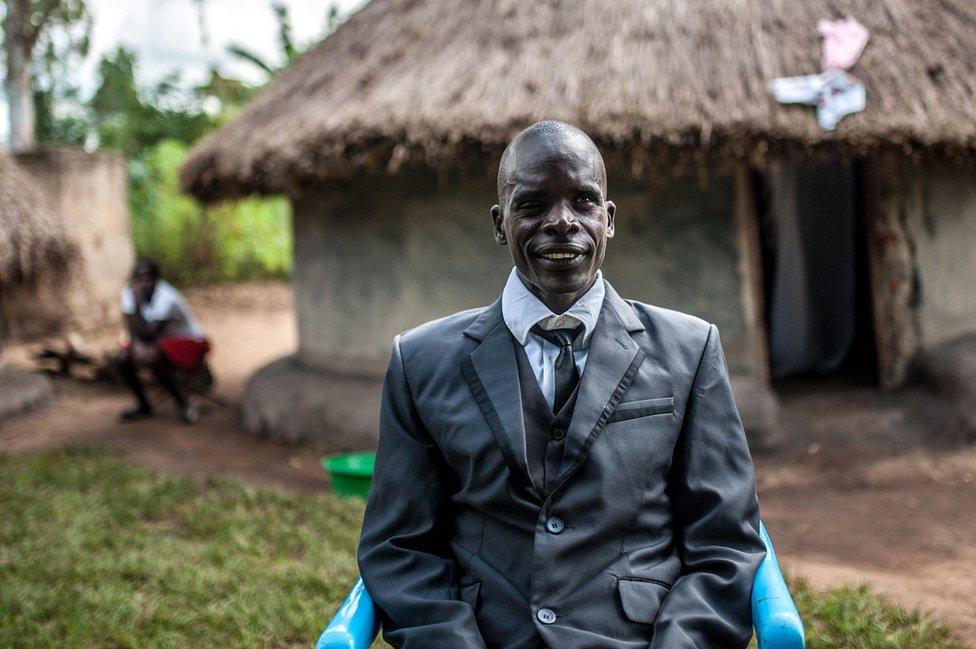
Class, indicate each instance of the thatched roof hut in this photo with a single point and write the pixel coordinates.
(33, 241)
(426, 80)
(812, 251)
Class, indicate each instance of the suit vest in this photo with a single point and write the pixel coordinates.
(545, 433)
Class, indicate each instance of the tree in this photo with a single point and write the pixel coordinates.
(60, 112)
(289, 51)
(222, 97)
(132, 119)
(26, 24)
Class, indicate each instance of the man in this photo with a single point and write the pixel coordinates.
(164, 337)
(563, 468)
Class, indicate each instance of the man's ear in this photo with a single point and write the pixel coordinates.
(611, 212)
(496, 225)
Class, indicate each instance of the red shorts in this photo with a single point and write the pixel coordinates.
(185, 353)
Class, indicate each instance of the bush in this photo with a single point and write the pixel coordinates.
(248, 239)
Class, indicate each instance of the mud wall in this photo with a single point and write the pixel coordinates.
(89, 191)
(373, 261)
(941, 219)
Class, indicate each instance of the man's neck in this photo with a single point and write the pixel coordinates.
(557, 302)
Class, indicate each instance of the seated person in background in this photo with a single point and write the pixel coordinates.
(164, 336)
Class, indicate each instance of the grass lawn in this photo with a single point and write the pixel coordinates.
(95, 552)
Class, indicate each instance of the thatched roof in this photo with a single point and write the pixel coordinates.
(408, 79)
(33, 241)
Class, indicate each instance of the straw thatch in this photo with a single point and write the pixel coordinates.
(33, 241)
(407, 79)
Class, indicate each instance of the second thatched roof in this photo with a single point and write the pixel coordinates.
(33, 240)
(409, 79)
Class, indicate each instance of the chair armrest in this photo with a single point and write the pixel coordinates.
(354, 625)
(774, 614)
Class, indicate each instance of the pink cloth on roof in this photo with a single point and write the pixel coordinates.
(843, 42)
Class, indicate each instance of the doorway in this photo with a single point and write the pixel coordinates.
(815, 269)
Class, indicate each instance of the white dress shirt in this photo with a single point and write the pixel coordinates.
(522, 310)
(166, 303)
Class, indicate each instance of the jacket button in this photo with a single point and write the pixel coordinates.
(555, 525)
(558, 434)
(546, 616)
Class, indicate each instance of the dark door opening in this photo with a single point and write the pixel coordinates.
(815, 270)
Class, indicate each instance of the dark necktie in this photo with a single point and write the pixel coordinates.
(567, 375)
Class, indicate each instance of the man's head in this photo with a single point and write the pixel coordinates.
(552, 211)
(144, 278)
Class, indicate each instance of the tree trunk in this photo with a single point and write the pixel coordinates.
(19, 43)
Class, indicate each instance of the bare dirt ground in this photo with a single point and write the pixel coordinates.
(874, 488)
(859, 505)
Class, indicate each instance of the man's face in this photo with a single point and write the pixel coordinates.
(554, 216)
(143, 283)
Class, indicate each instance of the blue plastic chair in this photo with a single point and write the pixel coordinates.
(774, 616)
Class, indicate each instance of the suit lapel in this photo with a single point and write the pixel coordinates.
(491, 373)
(611, 364)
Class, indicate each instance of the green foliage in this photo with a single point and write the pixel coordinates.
(223, 96)
(243, 240)
(95, 552)
(856, 618)
(131, 119)
(153, 126)
(57, 120)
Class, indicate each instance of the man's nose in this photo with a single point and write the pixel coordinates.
(560, 221)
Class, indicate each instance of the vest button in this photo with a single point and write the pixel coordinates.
(558, 434)
(546, 616)
(555, 525)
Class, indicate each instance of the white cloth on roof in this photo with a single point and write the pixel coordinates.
(835, 93)
(167, 304)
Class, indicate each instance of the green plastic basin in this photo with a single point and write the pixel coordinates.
(351, 473)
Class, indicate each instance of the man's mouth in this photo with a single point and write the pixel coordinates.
(562, 256)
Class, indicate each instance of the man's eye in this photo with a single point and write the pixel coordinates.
(585, 199)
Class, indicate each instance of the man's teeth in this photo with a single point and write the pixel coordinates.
(559, 255)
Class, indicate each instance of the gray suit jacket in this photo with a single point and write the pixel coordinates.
(648, 537)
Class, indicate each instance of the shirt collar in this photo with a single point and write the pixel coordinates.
(521, 310)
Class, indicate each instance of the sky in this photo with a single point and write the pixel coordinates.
(166, 36)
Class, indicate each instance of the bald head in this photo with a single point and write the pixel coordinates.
(548, 138)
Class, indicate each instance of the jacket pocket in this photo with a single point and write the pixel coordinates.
(641, 598)
(643, 408)
(470, 593)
